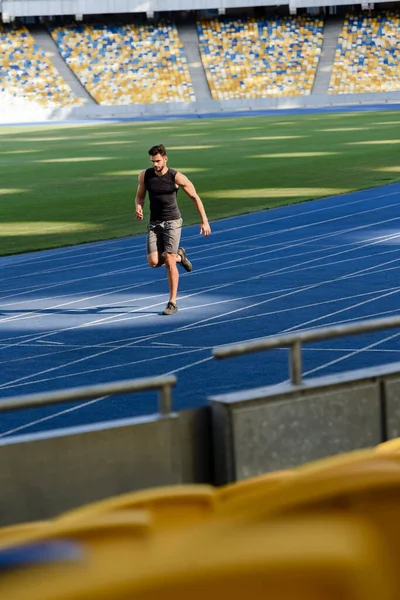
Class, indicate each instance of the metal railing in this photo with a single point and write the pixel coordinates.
(295, 341)
(163, 384)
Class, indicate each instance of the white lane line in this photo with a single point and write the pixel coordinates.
(306, 213)
(117, 319)
(104, 352)
(373, 315)
(29, 315)
(83, 254)
(199, 271)
(154, 336)
(353, 248)
(190, 365)
(53, 416)
(249, 307)
(57, 254)
(87, 249)
(160, 334)
(351, 354)
(166, 344)
(341, 311)
(269, 234)
(302, 307)
(127, 255)
(112, 290)
(216, 316)
(380, 239)
(300, 228)
(66, 282)
(366, 349)
(112, 367)
(26, 338)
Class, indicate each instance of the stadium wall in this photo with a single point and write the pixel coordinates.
(46, 8)
(32, 113)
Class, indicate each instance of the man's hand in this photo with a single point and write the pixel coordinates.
(139, 213)
(205, 228)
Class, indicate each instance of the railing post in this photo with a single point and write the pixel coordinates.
(295, 363)
(165, 400)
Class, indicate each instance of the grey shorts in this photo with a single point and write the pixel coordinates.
(164, 236)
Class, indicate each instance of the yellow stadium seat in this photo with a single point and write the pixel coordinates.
(307, 558)
(137, 49)
(34, 78)
(170, 507)
(367, 486)
(389, 447)
(259, 484)
(301, 559)
(359, 64)
(101, 527)
(11, 531)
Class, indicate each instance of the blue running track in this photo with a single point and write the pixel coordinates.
(91, 313)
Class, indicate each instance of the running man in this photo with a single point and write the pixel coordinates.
(165, 226)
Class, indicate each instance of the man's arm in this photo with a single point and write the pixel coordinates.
(190, 190)
(140, 196)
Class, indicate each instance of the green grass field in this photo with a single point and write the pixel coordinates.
(67, 184)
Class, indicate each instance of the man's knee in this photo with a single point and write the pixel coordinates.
(155, 261)
(170, 260)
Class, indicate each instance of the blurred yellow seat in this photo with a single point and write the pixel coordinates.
(307, 558)
(389, 447)
(258, 484)
(364, 484)
(170, 507)
(132, 524)
(11, 531)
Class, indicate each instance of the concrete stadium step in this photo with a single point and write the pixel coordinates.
(44, 40)
(332, 30)
(190, 41)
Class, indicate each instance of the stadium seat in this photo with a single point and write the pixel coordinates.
(389, 447)
(171, 507)
(27, 74)
(133, 524)
(11, 531)
(261, 483)
(248, 58)
(298, 559)
(102, 544)
(367, 487)
(367, 57)
(306, 558)
(127, 64)
(323, 481)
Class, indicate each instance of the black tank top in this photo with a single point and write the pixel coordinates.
(162, 193)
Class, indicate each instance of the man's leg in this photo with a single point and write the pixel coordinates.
(154, 246)
(171, 238)
(155, 259)
(173, 275)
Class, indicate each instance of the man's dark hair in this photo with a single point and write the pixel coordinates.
(160, 149)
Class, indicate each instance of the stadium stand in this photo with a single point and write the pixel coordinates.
(26, 74)
(368, 55)
(248, 58)
(328, 530)
(129, 64)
